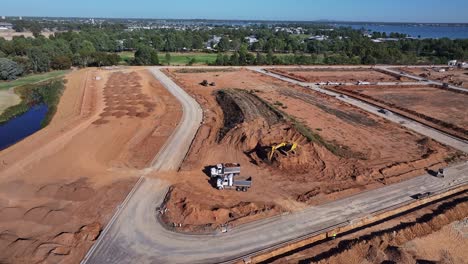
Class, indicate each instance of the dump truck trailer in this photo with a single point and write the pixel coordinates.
(228, 182)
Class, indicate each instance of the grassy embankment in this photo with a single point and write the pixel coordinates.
(30, 79)
(35, 89)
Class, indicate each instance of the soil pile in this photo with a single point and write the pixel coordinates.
(187, 210)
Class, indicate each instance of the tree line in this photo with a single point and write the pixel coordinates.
(93, 46)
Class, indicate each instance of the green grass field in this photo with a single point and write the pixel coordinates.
(34, 78)
(176, 57)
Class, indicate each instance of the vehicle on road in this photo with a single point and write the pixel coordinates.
(421, 195)
(383, 111)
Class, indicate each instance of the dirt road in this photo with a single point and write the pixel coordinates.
(137, 216)
(60, 186)
(137, 236)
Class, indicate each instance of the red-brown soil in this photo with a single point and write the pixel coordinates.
(316, 75)
(440, 107)
(342, 150)
(60, 186)
(437, 233)
(454, 76)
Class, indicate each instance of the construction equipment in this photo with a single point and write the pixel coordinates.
(223, 169)
(225, 173)
(284, 148)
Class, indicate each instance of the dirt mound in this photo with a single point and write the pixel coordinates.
(254, 126)
(188, 211)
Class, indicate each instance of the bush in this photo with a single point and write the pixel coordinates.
(204, 83)
(61, 63)
(9, 70)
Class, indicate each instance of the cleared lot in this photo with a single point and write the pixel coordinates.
(454, 76)
(442, 108)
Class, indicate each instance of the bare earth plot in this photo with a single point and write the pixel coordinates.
(454, 76)
(342, 150)
(315, 75)
(59, 187)
(442, 108)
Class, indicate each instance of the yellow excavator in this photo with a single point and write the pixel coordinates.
(283, 147)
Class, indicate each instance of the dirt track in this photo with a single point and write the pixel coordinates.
(60, 186)
(370, 151)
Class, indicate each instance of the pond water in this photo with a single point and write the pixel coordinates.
(22, 126)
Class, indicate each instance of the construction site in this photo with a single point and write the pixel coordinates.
(451, 75)
(108, 126)
(339, 150)
(272, 165)
(436, 106)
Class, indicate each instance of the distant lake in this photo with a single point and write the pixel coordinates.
(415, 30)
(22, 126)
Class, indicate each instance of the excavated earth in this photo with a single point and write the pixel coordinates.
(436, 233)
(60, 186)
(342, 150)
(345, 75)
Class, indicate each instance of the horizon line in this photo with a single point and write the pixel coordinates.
(248, 20)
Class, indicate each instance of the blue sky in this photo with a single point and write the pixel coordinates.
(348, 10)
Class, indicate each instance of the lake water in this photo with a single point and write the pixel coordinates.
(22, 126)
(416, 30)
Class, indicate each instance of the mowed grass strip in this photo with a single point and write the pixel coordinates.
(177, 58)
(30, 79)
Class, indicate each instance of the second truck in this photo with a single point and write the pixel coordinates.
(224, 173)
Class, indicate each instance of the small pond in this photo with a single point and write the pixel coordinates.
(22, 126)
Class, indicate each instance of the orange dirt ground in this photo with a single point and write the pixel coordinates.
(357, 150)
(60, 186)
(439, 107)
(437, 233)
(458, 77)
(316, 75)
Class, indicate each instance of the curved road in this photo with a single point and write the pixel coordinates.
(135, 236)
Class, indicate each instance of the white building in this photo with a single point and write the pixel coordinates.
(452, 63)
(318, 37)
(213, 42)
(251, 40)
(5, 26)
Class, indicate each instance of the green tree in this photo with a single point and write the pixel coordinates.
(86, 51)
(224, 45)
(9, 70)
(40, 62)
(168, 58)
(61, 63)
(146, 56)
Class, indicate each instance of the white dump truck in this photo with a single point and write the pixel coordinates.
(225, 174)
